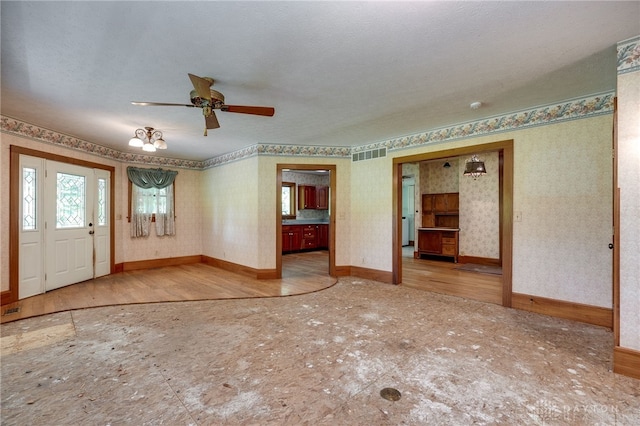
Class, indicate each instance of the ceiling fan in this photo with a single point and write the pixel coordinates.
(203, 96)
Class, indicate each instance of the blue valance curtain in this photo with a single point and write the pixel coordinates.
(147, 204)
(151, 178)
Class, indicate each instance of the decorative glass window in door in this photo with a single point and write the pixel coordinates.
(102, 201)
(70, 205)
(29, 211)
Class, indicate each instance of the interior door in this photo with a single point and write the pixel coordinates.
(69, 226)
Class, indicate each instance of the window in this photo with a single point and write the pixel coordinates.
(150, 200)
(288, 200)
(29, 199)
(151, 194)
(151, 205)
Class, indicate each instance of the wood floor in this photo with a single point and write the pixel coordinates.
(302, 273)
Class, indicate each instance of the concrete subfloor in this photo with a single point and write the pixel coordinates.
(319, 358)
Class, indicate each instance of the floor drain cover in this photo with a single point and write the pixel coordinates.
(390, 394)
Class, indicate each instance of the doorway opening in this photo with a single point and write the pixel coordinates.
(504, 149)
(325, 219)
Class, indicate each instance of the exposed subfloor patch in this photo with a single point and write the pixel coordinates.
(319, 358)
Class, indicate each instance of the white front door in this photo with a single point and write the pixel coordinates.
(65, 229)
(68, 224)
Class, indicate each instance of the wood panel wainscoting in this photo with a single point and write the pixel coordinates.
(626, 362)
(589, 314)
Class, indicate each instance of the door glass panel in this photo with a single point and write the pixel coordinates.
(102, 202)
(29, 219)
(70, 212)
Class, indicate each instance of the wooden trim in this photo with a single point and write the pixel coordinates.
(372, 274)
(240, 269)
(616, 229)
(626, 362)
(479, 260)
(333, 179)
(157, 263)
(396, 230)
(589, 314)
(343, 271)
(505, 153)
(119, 267)
(5, 297)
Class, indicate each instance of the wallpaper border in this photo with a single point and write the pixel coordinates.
(629, 55)
(540, 116)
(544, 115)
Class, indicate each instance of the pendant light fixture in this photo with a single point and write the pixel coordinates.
(149, 140)
(474, 167)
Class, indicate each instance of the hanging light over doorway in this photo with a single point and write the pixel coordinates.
(474, 167)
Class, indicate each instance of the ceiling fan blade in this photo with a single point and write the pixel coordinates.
(255, 110)
(202, 86)
(159, 104)
(211, 121)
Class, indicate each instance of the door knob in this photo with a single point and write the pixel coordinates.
(611, 246)
(90, 232)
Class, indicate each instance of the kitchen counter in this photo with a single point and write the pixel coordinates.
(305, 222)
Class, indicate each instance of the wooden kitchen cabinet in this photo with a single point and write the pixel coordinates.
(306, 197)
(313, 197)
(322, 197)
(440, 210)
(323, 236)
(309, 237)
(438, 242)
(291, 238)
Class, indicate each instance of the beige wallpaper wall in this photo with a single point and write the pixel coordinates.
(629, 184)
(188, 239)
(560, 246)
(371, 214)
(231, 217)
(480, 210)
(562, 186)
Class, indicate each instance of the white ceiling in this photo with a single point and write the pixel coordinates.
(337, 73)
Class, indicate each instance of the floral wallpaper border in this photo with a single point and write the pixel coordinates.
(629, 55)
(569, 110)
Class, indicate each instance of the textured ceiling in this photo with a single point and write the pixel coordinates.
(338, 74)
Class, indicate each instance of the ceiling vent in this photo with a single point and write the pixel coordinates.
(368, 155)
